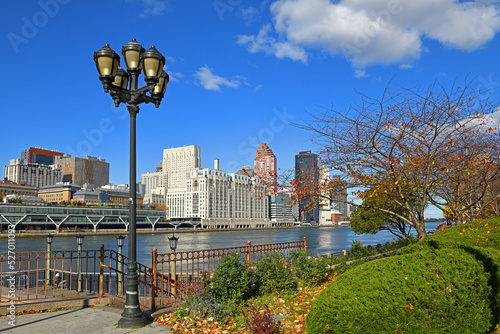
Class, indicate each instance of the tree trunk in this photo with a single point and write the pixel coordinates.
(420, 228)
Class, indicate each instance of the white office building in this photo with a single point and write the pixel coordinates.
(156, 197)
(220, 199)
(35, 175)
(177, 163)
(152, 181)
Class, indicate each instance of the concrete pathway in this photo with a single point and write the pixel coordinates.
(90, 320)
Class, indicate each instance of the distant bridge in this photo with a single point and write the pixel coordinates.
(60, 217)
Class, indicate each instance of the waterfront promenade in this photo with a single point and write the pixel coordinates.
(90, 320)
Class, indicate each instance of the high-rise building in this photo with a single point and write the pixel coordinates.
(154, 191)
(339, 201)
(282, 209)
(35, 175)
(152, 181)
(307, 176)
(39, 155)
(325, 210)
(177, 163)
(266, 166)
(87, 170)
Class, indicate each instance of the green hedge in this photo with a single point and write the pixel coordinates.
(482, 233)
(446, 284)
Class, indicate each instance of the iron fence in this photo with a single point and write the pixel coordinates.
(70, 273)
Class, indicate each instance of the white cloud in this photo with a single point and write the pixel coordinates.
(360, 73)
(153, 7)
(373, 31)
(174, 76)
(211, 81)
(265, 43)
(249, 14)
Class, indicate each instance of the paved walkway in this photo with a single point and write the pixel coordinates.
(90, 320)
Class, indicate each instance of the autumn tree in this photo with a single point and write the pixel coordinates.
(365, 220)
(400, 143)
(470, 178)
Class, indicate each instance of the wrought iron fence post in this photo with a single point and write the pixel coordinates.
(155, 280)
(79, 264)
(173, 274)
(119, 274)
(305, 246)
(249, 255)
(47, 275)
(101, 272)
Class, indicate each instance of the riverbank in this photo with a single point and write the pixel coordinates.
(42, 233)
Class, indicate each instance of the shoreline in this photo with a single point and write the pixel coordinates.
(43, 233)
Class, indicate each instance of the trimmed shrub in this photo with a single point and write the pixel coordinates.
(274, 274)
(231, 280)
(482, 233)
(309, 269)
(433, 290)
(358, 250)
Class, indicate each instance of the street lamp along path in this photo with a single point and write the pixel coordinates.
(173, 242)
(115, 82)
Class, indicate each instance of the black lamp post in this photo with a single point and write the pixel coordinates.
(115, 81)
(79, 241)
(173, 268)
(49, 244)
(120, 240)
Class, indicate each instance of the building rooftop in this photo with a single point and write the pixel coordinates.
(14, 184)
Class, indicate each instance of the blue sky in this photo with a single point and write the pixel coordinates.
(241, 71)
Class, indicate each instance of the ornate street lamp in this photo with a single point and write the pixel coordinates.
(114, 81)
(173, 242)
(173, 268)
(49, 243)
(79, 241)
(120, 240)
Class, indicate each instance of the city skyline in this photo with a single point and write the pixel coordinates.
(241, 72)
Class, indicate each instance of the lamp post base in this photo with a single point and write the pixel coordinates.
(132, 322)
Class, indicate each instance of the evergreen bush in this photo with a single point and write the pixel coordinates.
(231, 280)
(309, 269)
(448, 283)
(274, 274)
(432, 290)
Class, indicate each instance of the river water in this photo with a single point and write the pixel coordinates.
(320, 240)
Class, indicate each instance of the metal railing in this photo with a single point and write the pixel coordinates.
(57, 274)
(186, 270)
